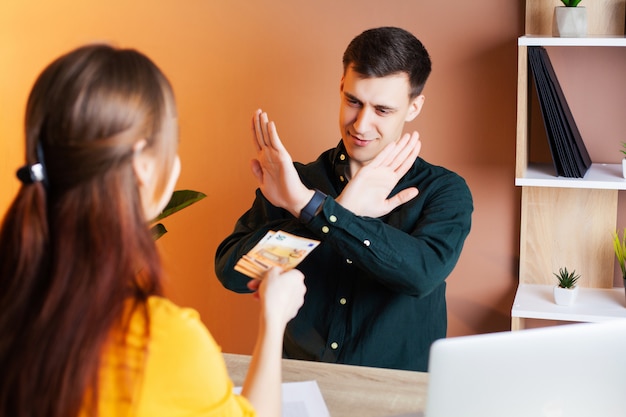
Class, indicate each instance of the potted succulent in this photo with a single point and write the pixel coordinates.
(619, 244)
(566, 291)
(570, 21)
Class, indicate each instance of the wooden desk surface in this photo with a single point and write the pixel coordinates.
(351, 391)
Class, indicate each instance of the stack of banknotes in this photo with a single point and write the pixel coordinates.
(280, 249)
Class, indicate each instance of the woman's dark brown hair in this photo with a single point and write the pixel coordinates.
(76, 248)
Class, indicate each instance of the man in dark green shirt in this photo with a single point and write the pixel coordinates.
(391, 225)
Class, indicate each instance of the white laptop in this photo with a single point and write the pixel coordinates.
(561, 371)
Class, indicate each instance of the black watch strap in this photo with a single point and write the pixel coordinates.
(308, 212)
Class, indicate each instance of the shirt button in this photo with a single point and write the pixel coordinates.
(325, 229)
(342, 157)
(334, 345)
(348, 261)
(332, 218)
(366, 242)
(341, 178)
(343, 301)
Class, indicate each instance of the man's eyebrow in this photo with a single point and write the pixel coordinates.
(384, 107)
(351, 97)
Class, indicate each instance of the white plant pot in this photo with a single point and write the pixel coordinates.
(624, 167)
(570, 22)
(565, 296)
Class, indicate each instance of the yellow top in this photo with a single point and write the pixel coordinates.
(184, 373)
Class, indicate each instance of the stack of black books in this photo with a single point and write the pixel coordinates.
(566, 145)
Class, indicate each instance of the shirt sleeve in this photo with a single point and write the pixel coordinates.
(185, 372)
(422, 238)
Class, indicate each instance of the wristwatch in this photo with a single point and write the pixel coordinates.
(310, 210)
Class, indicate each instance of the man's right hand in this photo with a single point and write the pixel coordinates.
(273, 168)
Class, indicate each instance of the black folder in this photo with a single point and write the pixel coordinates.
(568, 150)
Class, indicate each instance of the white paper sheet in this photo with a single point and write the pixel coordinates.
(301, 399)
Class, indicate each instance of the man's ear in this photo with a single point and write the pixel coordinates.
(415, 107)
(143, 165)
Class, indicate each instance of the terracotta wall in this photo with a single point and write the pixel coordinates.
(225, 59)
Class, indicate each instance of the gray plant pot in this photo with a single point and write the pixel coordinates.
(570, 22)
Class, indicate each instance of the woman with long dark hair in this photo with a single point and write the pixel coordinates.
(84, 327)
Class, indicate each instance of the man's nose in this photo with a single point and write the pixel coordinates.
(363, 120)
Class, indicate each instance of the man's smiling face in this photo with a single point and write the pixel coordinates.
(373, 112)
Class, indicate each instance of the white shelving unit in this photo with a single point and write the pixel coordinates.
(536, 301)
(566, 221)
(530, 40)
(599, 176)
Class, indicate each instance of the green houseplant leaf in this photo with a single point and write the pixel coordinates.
(620, 251)
(158, 230)
(180, 200)
(571, 3)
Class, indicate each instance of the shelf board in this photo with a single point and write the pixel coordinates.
(599, 176)
(536, 301)
(530, 40)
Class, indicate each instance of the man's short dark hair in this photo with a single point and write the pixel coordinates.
(383, 51)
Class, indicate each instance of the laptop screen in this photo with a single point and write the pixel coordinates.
(561, 371)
